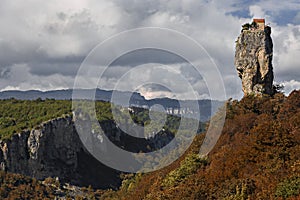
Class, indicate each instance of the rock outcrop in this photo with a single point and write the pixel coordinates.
(54, 149)
(253, 61)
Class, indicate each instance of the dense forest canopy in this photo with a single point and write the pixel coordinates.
(256, 157)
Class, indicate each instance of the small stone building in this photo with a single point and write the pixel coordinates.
(260, 23)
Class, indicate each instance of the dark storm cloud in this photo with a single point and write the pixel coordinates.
(15, 52)
(144, 56)
(64, 68)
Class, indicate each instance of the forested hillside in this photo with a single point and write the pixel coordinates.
(256, 157)
(17, 115)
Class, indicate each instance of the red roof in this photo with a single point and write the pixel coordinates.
(259, 20)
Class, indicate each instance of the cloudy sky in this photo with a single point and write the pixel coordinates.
(43, 43)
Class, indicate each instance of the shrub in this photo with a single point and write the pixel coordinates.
(188, 166)
(288, 188)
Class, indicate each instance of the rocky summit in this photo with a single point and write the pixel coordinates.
(253, 58)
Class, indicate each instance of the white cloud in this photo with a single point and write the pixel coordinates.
(291, 85)
(286, 51)
(257, 11)
(43, 43)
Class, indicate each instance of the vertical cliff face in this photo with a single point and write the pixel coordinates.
(55, 150)
(253, 61)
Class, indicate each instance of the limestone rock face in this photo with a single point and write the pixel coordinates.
(253, 61)
(55, 149)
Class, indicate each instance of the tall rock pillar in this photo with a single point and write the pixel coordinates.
(253, 58)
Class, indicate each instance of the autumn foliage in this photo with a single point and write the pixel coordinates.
(256, 157)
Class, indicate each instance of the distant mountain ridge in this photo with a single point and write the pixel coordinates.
(183, 107)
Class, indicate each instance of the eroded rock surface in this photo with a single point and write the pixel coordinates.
(253, 61)
(54, 149)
